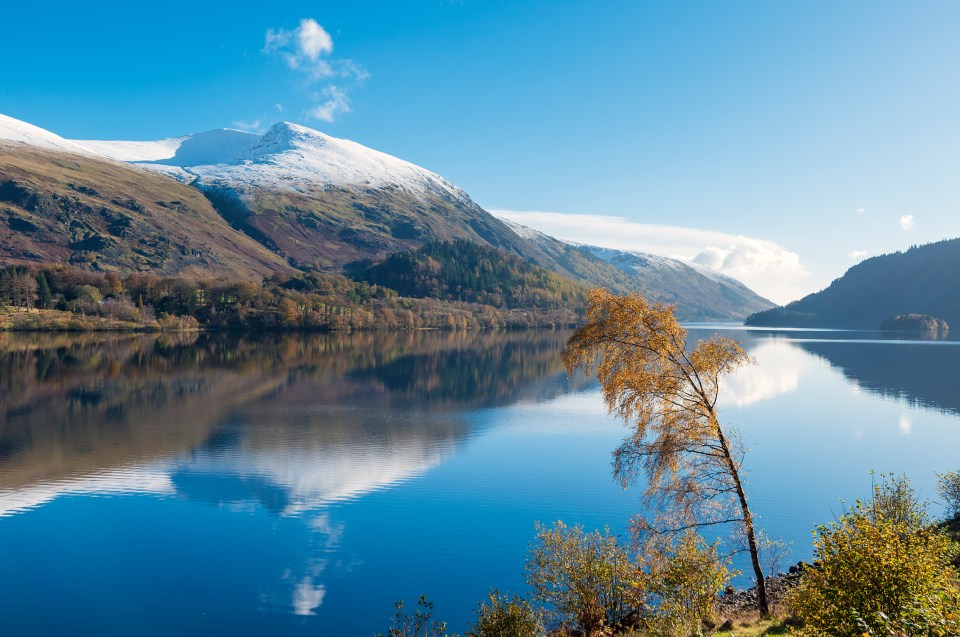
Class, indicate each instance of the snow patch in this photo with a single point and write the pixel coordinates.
(219, 146)
(14, 130)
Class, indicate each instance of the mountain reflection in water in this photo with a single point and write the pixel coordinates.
(220, 484)
(291, 422)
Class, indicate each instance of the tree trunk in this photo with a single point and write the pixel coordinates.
(762, 603)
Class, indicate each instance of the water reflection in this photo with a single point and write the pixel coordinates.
(302, 482)
(777, 370)
(291, 423)
(908, 366)
(920, 373)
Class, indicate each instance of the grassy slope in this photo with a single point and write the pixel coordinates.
(60, 208)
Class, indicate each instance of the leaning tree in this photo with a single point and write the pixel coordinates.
(639, 353)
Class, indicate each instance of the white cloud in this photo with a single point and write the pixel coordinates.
(255, 126)
(307, 50)
(313, 39)
(861, 210)
(906, 222)
(766, 267)
(859, 254)
(335, 103)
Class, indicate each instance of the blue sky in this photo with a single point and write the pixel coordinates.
(778, 141)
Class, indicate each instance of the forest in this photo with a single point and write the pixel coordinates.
(478, 288)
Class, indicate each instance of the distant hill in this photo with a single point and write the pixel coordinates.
(922, 280)
(699, 293)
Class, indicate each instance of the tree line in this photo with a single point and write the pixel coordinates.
(462, 270)
(304, 301)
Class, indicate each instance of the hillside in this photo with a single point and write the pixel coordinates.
(910, 282)
(290, 199)
(318, 201)
(699, 293)
(96, 214)
(465, 271)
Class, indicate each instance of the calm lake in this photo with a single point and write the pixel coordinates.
(300, 485)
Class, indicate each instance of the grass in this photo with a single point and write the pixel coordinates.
(34, 320)
(758, 628)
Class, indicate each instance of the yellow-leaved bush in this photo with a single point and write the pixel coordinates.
(882, 569)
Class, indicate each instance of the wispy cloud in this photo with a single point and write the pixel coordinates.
(253, 126)
(859, 254)
(308, 51)
(768, 268)
(334, 101)
(906, 222)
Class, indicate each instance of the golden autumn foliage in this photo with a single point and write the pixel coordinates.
(882, 569)
(668, 394)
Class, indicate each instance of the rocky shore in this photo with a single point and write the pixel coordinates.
(740, 601)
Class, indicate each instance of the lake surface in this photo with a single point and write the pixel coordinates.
(299, 485)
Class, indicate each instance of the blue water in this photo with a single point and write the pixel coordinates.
(301, 485)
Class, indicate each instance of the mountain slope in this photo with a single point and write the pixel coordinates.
(699, 293)
(325, 202)
(315, 202)
(918, 281)
(319, 201)
(96, 214)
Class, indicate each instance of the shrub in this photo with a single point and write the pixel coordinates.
(587, 581)
(684, 574)
(506, 617)
(420, 623)
(882, 570)
(949, 489)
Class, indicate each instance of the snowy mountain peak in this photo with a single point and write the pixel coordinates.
(16, 131)
(287, 157)
(285, 137)
(218, 146)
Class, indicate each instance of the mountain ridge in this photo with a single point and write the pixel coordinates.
(318, 202)
(878, 288)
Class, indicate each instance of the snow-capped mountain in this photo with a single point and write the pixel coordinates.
(664, 279)
(287, 157)
(18, 132)
(314, 202)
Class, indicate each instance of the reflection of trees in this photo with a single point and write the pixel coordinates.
(475, 370)
(922, 373)
(75, 403)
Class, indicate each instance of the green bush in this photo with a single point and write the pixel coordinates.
(506, 617)
(683, 575)
(587, 581)
(882, 569)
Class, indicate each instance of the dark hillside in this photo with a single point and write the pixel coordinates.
(923, 280)
(461, 270)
